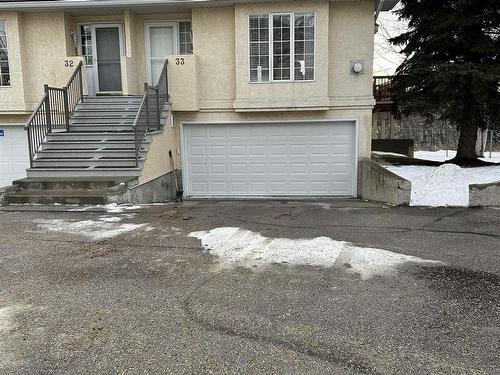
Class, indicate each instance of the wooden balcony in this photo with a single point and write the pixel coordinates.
(382, 93)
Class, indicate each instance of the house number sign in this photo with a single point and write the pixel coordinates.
(68, 63)
(179, 61)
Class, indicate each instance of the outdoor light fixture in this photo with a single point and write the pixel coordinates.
(357, 66)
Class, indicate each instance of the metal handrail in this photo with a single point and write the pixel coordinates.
(54, 111)
(148, 116)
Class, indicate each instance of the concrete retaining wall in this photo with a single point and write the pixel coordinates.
(160, 189)
(380, 185)
(482, 195)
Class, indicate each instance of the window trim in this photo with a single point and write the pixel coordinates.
(292, 47)
(177, 42)
(8, 58)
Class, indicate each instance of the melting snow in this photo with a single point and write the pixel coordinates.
(111, 208)
(443, 155)
(105, 227)
(446, 185)
(235, 247)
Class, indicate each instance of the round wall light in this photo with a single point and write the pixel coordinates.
(357, 67)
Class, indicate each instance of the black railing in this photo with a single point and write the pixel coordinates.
(54, 111)
(382, 88)
(148, 116)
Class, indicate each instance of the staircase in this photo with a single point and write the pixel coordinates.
(100, 142)
(81, 146)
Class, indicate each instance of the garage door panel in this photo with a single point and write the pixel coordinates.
(14, 157)
(269, 159)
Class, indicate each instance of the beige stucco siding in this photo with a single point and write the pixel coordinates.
(214, 44)
(43, 50)
(351, 38)
(12, 97)
(282, 95)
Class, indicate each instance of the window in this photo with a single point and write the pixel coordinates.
(185, 38)
(259, 48)
(288, 49)
(86, 35)
(304, 46)
(4, 57)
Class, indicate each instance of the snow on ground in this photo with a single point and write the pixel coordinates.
(446, 185)
(111, 208)
(384, 153)
(105, 227)
(236, 247)
(443, 155)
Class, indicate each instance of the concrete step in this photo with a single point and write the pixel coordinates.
(88, 136)
(96, 145)
(68, 196)
(96, 154)
(61, 183)
(101, 127)
(103, 162)
(103, 114)
(112, 99)
(88, 173)
(101, 121)
(107, 107)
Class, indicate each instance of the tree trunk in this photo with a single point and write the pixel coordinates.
(466, 151)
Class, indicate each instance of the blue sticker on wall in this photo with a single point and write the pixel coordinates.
(2, 132)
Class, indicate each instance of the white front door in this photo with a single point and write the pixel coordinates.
(161, 40)
(102, 46)
(14, 157)
(309, 158)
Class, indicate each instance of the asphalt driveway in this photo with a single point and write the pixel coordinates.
(249, 288)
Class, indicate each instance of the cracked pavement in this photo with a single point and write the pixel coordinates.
(149, 299)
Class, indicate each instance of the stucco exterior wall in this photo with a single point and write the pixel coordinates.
(282, 95)
(158, 162)
(12, 97)
(43, 52)
(351, 38)
(216, 82)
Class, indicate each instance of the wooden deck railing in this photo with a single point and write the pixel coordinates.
(382, 88)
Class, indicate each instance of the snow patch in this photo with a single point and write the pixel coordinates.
(385, 153)
(236, 247)
(110, 208)
(7, 324)
(442, 155)
(93, 229)
(446, 185)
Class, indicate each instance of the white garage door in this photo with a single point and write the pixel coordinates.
(13, 154)
(269, 159)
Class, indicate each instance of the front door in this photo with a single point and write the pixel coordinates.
(161, 40)
(107, 55)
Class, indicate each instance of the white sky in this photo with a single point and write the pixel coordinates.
(387, 58)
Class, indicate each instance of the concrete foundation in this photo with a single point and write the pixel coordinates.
(482, 195)
(160, 189)
(380, 185)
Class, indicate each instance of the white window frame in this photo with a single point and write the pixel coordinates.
(292, 47)
(147, 40)
(8, 58)
(147, 46)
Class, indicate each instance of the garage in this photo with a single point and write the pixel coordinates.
(13, 153)
(266, 159)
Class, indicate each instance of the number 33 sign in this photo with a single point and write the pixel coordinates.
(179, 61)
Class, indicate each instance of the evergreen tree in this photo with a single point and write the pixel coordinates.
(452, 66)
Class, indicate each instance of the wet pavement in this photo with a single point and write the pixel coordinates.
(126, 290)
